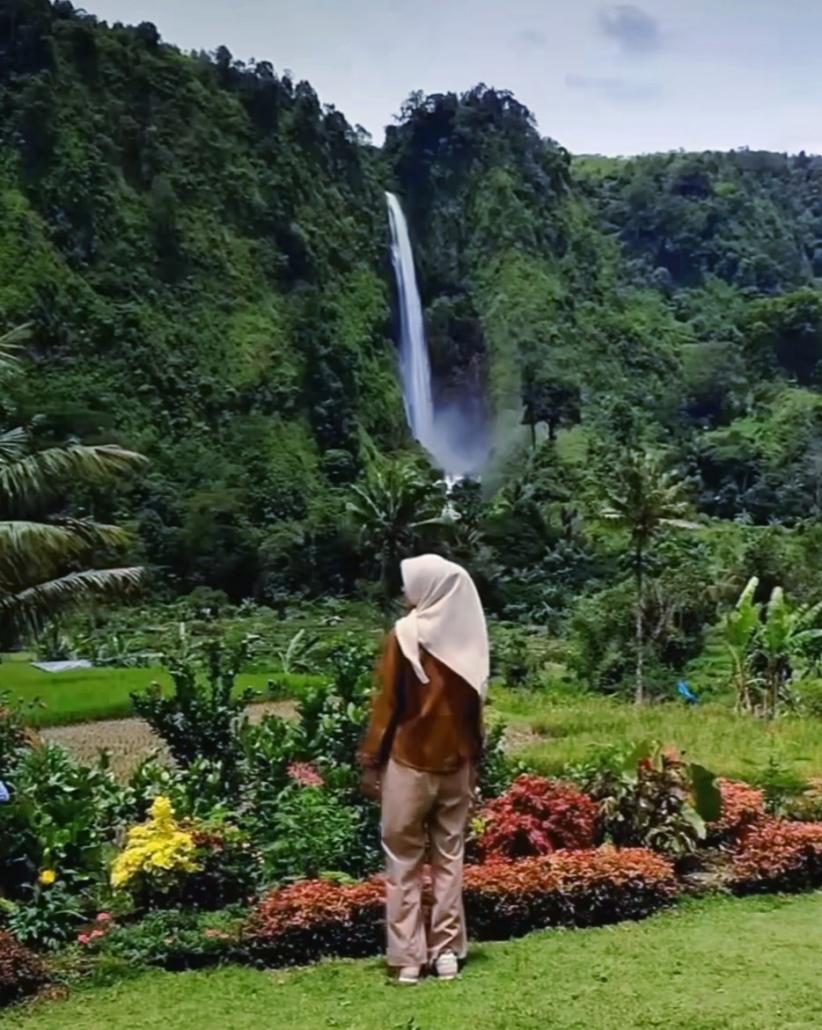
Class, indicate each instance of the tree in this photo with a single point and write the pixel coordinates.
(392, 508)
(786, 634)
(550, 401)
(643, 498)
(45, 566)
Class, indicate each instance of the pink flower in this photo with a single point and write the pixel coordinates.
(83, 939)
(104, 917)
(305, 774)
(95, 935)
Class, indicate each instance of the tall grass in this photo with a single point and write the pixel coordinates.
(568, 731)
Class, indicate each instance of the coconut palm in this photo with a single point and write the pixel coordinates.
(46, 565)
(644, 498)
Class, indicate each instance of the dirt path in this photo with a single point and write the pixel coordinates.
(130, 740)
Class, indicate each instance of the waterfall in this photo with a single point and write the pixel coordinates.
(415, 367)
(453, 435)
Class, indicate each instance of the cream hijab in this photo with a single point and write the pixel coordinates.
(447, 620)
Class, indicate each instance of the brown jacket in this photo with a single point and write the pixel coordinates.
(434, 727)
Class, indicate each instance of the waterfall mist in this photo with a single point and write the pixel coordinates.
(453, 433)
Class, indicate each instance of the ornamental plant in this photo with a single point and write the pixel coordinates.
(313, 919)
(649, 797)
(21, 971)
(777, 855)
(536, 816)
(742, 807)
(158, 855)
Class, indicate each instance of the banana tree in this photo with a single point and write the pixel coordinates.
(739, 630)
(786, 635)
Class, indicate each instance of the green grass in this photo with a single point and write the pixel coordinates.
(86, 695)
(716, 963)
(554, 733)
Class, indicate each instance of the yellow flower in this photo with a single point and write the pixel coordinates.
(155, 848)
(47, 877)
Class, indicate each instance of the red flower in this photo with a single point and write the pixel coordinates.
(305, 774)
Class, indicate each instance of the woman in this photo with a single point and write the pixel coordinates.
(421, 754)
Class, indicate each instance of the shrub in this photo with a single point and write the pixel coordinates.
(570, 888)
(311, 831)
(49, 916)
(157, 855)
(21, 971)
(202, 718)
(778, 856)
(173, 939)
(535, 817)
(229, 868)
(742, 806)
(317, 918)
(61, 815)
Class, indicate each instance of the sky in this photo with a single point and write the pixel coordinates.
(599, 77)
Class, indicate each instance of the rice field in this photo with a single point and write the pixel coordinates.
(88, 695)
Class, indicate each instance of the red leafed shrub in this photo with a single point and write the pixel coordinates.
(534, 817)
(317, 918)
(742, 807)
(21, 971)
(570, 888)
(778, 855)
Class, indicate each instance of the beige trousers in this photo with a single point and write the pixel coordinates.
(420, 809)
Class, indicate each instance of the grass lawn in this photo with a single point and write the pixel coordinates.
(92, 694)
(716, 963)
(552, 733)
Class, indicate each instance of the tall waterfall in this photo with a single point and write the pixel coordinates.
(454, 435)
(415, 367)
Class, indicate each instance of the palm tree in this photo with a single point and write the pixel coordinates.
(643, 498)
(46, 566)
(394, 505)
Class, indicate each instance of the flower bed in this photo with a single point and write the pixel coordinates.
(778, 856)
(317, 918)
(570, 888)
(21, 971)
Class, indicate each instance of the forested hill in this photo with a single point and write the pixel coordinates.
(202, 249)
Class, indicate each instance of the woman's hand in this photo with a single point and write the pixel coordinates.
(370, 783)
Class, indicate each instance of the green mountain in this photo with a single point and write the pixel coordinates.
(202, 249)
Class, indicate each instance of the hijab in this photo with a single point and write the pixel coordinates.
(446, 620)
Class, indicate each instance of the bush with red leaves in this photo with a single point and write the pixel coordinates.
(21, 971)
(536, 816)
(314, 919)
(570, 888)
(776, 855)
(742, 807)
